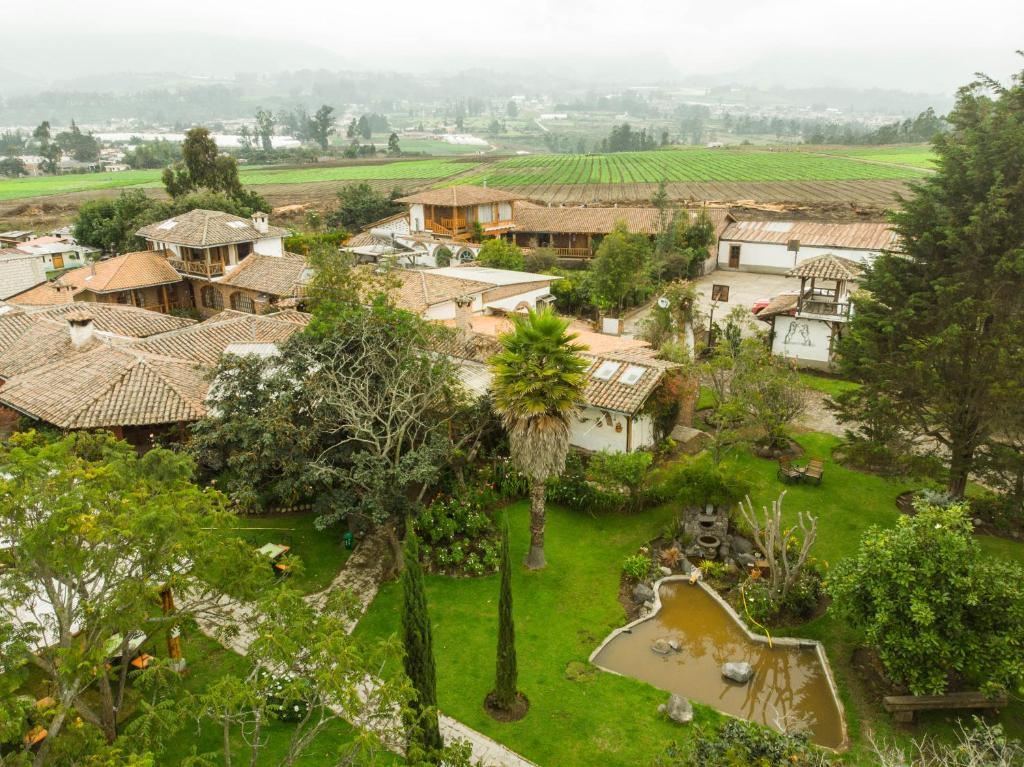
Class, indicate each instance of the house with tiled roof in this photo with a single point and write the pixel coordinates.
(142, 279)
(135, 372)
(442, 294)
(776, 247)
(574, 232)
(456, 211)
(621, 377)
(227, 261)
(807, 323)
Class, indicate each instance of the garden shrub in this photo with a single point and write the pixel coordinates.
(698, 481)
(621, 474)
(1001, 511)
(758, 601)
(637, 567)
(738, 743)
(933, 604)
(572, 489)
(458, 536)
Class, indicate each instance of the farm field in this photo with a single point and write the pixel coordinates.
(683, 165)
(918, 156)
(415, 170)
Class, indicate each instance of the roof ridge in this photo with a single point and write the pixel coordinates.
(117, 380)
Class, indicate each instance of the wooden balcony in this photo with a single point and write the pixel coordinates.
(197, 268)
(573, 252)
(823, 303)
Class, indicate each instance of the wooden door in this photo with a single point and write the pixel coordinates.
(58, 261)
(734, 256)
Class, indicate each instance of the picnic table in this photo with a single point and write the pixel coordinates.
(273, 551)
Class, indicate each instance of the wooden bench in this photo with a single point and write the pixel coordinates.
(903, 707)
(814, 471)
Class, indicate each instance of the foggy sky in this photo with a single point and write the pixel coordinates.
(920, 46)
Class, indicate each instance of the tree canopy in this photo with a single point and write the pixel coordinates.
(204, 167)
(501, 254)
(938, 324)
(360, 204)
(931, 602)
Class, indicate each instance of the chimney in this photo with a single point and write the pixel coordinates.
(464, 313)
(80, 325)
(260, 222)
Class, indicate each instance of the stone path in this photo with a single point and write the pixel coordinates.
(817, 417)
(362, 575)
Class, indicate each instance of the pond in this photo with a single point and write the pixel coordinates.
(791, 688)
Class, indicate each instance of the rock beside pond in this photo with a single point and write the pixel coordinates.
(662, 647)
(665, 570)
(742, 545)
(643, 593)
(746, 560)
(678, 709)
(738, 671)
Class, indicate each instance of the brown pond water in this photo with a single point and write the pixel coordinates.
(789, 682)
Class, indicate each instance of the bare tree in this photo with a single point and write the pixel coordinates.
(776, 541)
(983, 745)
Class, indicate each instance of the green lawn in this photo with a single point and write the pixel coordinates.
(916, 155)
(320, 553)
(563, 612)
(827, 384)
(209, 661)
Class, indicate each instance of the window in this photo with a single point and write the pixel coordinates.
(632, 375)
(242, 302)
(606, 370)
(244, 249)
(211, 297)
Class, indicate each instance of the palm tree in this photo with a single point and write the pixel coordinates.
(538, 386)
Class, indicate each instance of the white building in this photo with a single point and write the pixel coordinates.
(777, 247)
(618, 386)
(57, 253)
(210, 243)
(807, 324)
(19, 272)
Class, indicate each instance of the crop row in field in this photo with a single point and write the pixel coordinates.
(418, 170)
(918, 156)
(682, 165)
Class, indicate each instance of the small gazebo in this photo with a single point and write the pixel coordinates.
(825, 285)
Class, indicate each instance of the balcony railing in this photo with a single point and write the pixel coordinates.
(822, 302)
(198, 268)
(574, 252)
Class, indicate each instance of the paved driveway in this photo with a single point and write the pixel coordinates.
(745, 288)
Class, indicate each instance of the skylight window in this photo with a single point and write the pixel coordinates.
(778, 226)
(237, 224)
(632, 375)
(606, 370)
(170, 224)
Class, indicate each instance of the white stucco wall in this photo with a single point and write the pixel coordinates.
(416, 217)
(446, 309)
(806, 341)
(590, 430)
(269, 246)
(774, 258)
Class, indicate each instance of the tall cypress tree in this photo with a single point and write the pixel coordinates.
(424, 732)
(936, 335)
(505, 693)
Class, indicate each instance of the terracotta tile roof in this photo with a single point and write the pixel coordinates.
(275, 275)
(364, 238)
(603, 220)
(47, 294)
(610, 394)
(32, 339)
(106, 386)
(860, 236)
(110, 382)
(205, 228)
(124, 321)
(206, 341)
(615, 393)
(419, 289)
(141, 269)
(456, 196)
(784, 303)
(828, 267)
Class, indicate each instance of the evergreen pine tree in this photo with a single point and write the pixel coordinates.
(505, 691)
(424, 733)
